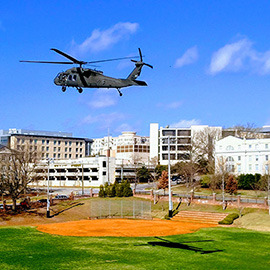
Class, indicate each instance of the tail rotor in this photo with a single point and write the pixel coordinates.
(141, 63)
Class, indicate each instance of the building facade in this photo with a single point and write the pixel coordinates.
(127, 147)
(180, 141)
(56, 145)
(243, 156)
(87, 172)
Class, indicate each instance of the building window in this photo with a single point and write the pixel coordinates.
(239, 168)
(239, 158)
(249, 158)
(69, 149)
(48, 141)
(59, 142)
(70, 143)
(65, 149)
(250, 146)
(66, 143)
(65, 155)
(47, 148)
(250, 167)
(42, 148)
(54, 155)
(54, 149)
(104, 164)
(266, 157)
(257, 157)
(69, 155)
(104, 173)
(229, 147)
(43, 141)
(256, 167)
(266, 146)
(58, 155)
(168, 132)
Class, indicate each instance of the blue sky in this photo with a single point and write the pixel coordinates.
(211, 64)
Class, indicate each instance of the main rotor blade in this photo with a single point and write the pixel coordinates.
(140, 52)
(113, 59)
(74, 60)
(47, 62)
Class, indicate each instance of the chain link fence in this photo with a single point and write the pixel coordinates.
(120, 209)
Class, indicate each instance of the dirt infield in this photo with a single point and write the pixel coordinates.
(122, 227)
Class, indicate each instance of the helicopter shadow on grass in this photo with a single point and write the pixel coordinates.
(170, 244)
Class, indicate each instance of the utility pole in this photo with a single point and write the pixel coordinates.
(50, 160)
(169, 178)
(82, 179)
(108, 158)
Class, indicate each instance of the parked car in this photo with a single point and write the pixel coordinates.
(178, 179)
(42, 200)
(61, 197)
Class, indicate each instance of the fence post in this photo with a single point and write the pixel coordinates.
(133, 209)
(121, 209)
(238, 200)
(214, 197)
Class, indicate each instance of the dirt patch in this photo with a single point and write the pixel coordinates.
(122, 227)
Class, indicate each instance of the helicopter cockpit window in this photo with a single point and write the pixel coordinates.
(74, 77)
(70, 77)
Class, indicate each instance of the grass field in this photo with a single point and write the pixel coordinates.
(212, 248)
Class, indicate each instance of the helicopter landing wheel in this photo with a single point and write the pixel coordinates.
(120, 93)
(64, 88)
(80, 90)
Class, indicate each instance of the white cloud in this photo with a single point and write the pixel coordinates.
(239, 56)
(189, 57)
(186, 123)
(172, 105)
(101, 40)
(104, 120)
(102, 99)
(124, 127)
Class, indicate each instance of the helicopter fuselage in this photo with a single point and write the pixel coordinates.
(90, 78)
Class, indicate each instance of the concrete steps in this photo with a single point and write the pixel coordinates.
(199, 217)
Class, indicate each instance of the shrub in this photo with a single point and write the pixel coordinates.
(231, 185)
(248, 181)
(205, 181)
(101, 191)
(229, 219)
(127, 191)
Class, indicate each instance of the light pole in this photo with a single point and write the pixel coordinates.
(50, 160)
(169, 178)
(268, 189)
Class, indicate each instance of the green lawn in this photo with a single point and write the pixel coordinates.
(215, 248)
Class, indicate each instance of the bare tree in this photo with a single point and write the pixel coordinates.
(17, 171)
(203, 144)
(249, 131)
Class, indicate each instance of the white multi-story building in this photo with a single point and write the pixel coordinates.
(89, 172)
(127, 147)
(180, 141)
(240, 155)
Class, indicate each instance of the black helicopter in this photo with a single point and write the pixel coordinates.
(80, 77)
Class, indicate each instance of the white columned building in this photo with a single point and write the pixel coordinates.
(243, 156)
